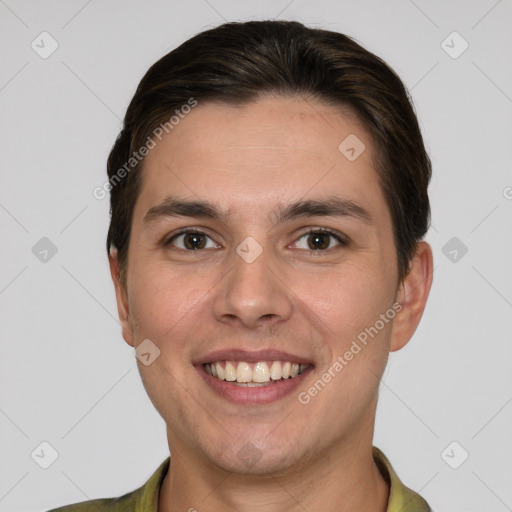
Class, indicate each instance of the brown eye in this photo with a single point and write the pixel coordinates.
(319, 240)
(194, 241)
(191, 241)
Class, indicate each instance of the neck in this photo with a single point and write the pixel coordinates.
(341, 479)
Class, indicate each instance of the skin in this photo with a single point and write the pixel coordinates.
(247, 160)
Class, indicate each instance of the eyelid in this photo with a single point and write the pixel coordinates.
(183, 231)
(341, 238)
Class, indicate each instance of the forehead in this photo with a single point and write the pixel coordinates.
(275, 148)
(302, 125)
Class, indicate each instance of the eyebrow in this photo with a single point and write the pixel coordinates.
(333, 206)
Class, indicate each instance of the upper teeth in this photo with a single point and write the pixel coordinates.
(260, 372)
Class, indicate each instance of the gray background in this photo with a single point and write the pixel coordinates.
(67, 376)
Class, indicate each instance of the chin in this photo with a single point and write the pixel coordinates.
(252, 457)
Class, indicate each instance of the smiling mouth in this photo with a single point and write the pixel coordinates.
(262, 373)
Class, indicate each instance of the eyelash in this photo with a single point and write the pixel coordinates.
(343, 242)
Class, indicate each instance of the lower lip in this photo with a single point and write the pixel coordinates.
(256, 395)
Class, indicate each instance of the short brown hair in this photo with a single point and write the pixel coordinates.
(239, 62)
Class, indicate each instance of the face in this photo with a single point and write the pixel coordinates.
(258, 245)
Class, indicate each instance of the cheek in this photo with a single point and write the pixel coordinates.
(347, 300)
(163, 299)
(348, 305)
(164, 309)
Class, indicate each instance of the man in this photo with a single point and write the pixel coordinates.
(268, 200)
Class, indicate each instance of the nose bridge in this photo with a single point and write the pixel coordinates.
(252, 291)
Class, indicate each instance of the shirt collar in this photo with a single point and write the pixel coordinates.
(147, 500)
(401, 498)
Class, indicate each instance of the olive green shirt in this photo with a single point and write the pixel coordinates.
(145, 498)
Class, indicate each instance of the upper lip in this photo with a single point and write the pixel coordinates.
(234, 354)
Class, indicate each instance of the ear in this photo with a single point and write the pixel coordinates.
(412, 295)
(121, 298)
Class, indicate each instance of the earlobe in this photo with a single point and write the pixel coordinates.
(121, 298)
(412, 296)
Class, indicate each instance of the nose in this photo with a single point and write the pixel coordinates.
(253, 294)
